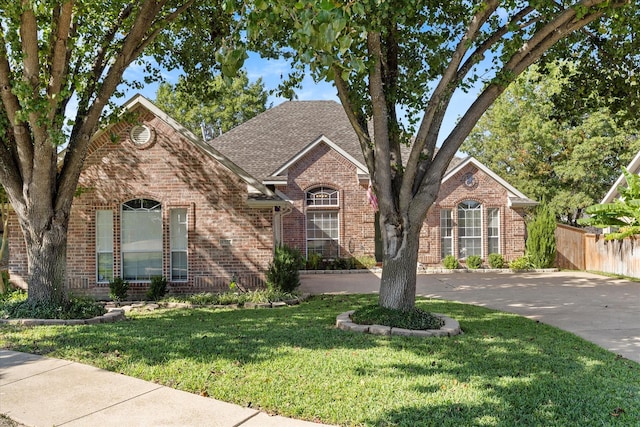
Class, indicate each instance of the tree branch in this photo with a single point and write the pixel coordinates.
(59, 56)
(357, 120)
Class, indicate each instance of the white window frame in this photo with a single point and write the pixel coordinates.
(497, 227)
(154, 206)
(478, 229)
(323, 200)
(446, 224)
(173, 247)
(104, 242)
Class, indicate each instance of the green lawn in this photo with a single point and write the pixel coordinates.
(504, 371)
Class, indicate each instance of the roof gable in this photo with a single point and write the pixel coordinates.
(515, 197)
(634, 167)
(266, 144)
(260, 191)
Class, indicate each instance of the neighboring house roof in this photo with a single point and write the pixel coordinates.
(259, 194)
(634, 167)
(267, 143)
(515, 198)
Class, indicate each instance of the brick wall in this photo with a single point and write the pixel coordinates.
(323, 166)
(490, 194)
(226, 238)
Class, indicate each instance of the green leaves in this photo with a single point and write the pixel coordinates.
(231, 60)
(623, 213)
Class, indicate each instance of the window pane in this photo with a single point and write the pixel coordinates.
(178, 229)
(105, 266)
(178, 232)
(104, 231)
(141, 238)
(322, 196)
(446, 233)
(323, 233)
(469, 229)
(141, 265)
(141, 231)
(493, 230)
(178, 266)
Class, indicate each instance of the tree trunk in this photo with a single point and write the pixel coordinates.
(398, 283)
(47, 256)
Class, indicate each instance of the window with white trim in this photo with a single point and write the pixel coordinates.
(446, 233)
(178, 242)
(322, 224)
(104, 246)
(493, 230)
(141, 239)
(469, 229)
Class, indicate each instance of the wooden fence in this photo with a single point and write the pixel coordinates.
(579, 250)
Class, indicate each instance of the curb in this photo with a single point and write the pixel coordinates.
(451, 327)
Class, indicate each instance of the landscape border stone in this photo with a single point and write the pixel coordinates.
(450, 328)
(116, 311)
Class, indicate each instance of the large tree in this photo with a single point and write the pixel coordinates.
(389, 58)
(219, 105)
(566, 157)
(59, 54)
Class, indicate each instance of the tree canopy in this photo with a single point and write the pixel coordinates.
(61, 64)
(566, 158)
(390, 59)
(221, 104)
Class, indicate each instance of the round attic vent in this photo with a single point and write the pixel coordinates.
(140, 134)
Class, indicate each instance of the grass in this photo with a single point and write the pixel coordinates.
(505, 370)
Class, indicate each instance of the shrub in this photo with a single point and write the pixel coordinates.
(17, 306)
(450, 262)
(118, 289)
(313, 261)
(412, 319)
(541, 243)
(157, 289)
(366, 261)
(474, 261)
(284, 271)
(521, 263)
(496, 261)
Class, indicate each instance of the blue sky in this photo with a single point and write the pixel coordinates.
(271, 71)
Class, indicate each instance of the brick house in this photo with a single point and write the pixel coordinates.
(310, 156)
(155, 200)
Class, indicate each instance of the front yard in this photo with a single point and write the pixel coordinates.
(504, 370)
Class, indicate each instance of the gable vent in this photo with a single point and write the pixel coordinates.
(140, 135)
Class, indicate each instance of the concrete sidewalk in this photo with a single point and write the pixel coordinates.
(39, 391)
(600, 309)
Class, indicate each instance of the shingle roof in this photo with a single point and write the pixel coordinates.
(266, 142)
(263, 144)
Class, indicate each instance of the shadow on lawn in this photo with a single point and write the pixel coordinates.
(505, 369)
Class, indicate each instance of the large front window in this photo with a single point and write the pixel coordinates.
(469, 229)
(141, 239)
(322, 227)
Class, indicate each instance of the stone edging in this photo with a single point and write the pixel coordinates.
(114, 315)
(117, 312)
(451, 327)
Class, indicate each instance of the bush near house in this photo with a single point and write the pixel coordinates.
(118, 289)
(474, 262)
(541, 243)
(496, 260)
(450, 262)
(284, 271)
(157, 289)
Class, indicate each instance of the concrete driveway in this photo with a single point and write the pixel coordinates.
(600, 309)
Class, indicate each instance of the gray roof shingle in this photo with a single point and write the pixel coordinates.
(266, 142)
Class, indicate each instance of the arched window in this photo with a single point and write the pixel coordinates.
(322, 227)
(469, 229)
(141, 239)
